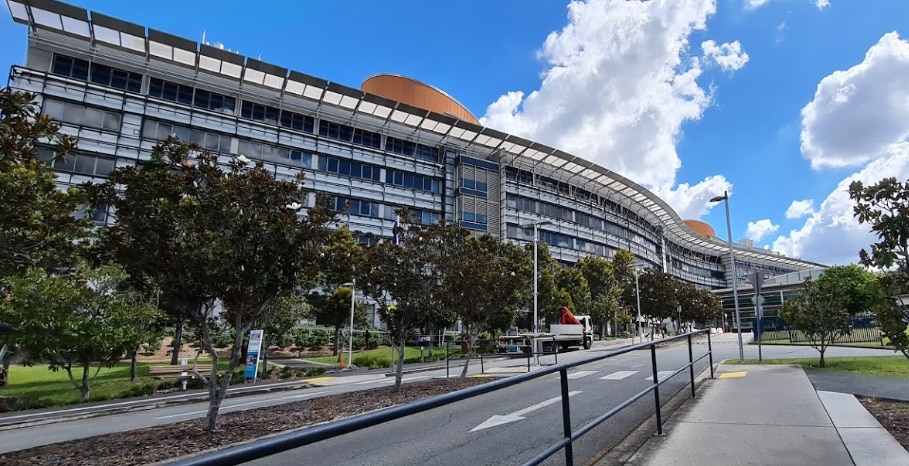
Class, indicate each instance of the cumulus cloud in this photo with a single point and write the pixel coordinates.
(729, 56)
(757, 230)
(831, 235)
(799, 209)
(618, 85)
(693, 201)
(752, 4)
(857, 113)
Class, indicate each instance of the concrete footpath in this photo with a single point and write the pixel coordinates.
(770, 415)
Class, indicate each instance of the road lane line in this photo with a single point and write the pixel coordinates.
(225, 408)
(661, 375)
(619, 375)
(579, 374)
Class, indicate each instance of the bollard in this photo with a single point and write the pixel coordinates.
(183, 377)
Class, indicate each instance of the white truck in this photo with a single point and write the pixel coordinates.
(559, 337)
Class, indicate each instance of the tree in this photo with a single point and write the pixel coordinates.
(859, 286)
(659, 294)
(334, 310)
(698, 305)
(573, 282)
(152, 211)
(78, 320)
(605, 290)
(549, 297)
(820, 312)
(483, 281)
(403, 278)
(37, 223)
(230, 238)
(885, 207)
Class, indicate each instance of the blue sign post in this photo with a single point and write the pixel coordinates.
(252, 354)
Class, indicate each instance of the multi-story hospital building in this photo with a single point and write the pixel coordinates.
(121, 88)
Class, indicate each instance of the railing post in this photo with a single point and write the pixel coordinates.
(710, 353)
(447, 358)
(691, 365)
(566, 417)
(482, 368)
(656, 390)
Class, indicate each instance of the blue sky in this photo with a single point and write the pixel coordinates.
(776, 100)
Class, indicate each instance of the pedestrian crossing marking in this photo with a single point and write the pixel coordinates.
(733, 375)
(661, 375)
(579, 374)
(619, 375)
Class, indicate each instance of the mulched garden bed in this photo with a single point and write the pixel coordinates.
(156, 444)
(893, 415)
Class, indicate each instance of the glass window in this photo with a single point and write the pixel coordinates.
(70, 67)
(336, 131)
(298, 122)
(367, 138)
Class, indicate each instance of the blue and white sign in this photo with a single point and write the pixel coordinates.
(252, 354)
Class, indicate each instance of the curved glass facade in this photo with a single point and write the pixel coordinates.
(120, 97)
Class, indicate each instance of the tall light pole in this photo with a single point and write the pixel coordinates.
(638, 327)
(536, 318)
(352, 285)
(735, 293)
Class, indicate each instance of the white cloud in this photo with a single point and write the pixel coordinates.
(780, 32)
(857, 113)
(752, 4)
(759, 229)
(694, 201)
(799, 209)
(832, 235)
(728, 55)
(619, 83)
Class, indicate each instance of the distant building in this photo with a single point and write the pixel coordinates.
(775, 291)
(121, 88)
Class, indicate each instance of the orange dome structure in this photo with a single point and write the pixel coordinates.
(701, 228)
(412, 92)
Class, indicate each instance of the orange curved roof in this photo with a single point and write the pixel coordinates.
(701, 228)
(412, 92)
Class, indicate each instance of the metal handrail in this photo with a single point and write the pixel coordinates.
(238, 454)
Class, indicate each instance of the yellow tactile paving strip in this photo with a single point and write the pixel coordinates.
(733, 375)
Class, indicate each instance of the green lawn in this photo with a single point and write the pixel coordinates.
(43, 387)
(886, 366)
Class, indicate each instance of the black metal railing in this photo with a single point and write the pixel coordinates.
(239, 454)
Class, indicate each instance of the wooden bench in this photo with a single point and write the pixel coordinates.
(175, 371)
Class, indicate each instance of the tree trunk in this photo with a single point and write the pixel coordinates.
(399, 370)
(822, 364)
(84, 389)
(471, 341)
(337, 342)
(177, 343)
(133, 369)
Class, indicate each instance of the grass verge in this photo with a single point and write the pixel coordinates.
(882, 366)
(383, 357)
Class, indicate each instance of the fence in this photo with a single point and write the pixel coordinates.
(238, 454)
(863, 331)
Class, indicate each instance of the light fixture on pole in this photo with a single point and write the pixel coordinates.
(353, 295)
(536, 318)
(639, 325)
(735, 293)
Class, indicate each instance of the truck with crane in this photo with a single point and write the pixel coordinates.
(569, 332)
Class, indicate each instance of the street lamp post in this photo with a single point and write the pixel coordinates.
(536, 318)
(352, 285)
(639, 328)
(735, 293)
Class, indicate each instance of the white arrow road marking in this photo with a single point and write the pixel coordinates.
(225, 408)
(579, 374)
(518, 415)
(661, 375)
(619, 375)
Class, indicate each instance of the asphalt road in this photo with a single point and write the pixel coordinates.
(449, 434)
(512, 425)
